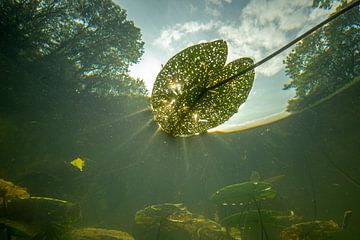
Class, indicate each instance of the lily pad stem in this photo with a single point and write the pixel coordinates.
(263, 230)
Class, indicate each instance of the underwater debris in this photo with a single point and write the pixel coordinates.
(78, 163)
(9, 191)
(253, 190)
(312, 230)
(99, 234)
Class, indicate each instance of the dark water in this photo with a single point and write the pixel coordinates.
(127, 168)
(131, 164)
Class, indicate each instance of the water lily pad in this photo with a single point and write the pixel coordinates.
(243, 193)
(100, 233)
(313, 230)
(190, 96)
(252, 218)
(163, 213)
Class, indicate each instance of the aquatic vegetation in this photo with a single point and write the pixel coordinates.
(313, 230)
(245, 192)
(78, 163)
(167, 215)
(170, 217)
(99, 234)
(252, 218)
(189, 96)
(52, 230)
(9, 191)
(46, 218)
(17, 228)
(203, 228)
(33, 217)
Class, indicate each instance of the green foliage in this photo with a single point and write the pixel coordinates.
(74, 46)
(100, 234)
(325, 61)
(185, 100)
(244, 193)
(251, 217)
(313, 230)
(171, 217)
(327, 4)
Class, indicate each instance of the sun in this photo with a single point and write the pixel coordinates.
(147, 69)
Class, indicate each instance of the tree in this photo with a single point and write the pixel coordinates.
(327, 4)
(325, 61)
(92, 41)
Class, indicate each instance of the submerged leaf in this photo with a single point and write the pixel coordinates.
(18, 228)
(252, 218)
(313, 230)
(78, 163)
(163, 213)
(243, 193)
(100, 233)
(10, 191)
(189, 97)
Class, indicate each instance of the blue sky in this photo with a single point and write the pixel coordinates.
(252, 28)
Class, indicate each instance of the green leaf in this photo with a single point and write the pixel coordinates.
(243, 193)
(188, 97)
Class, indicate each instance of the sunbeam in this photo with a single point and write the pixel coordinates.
(185, 155)
(116, 120)
(136, 133)
(142, 153)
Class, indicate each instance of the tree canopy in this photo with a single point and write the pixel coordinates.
(325, 61)
(327, 4)
(78, 46)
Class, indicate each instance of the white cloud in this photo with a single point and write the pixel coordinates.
(263, 27)
(193, 8)
(178, 31)
(217, 2)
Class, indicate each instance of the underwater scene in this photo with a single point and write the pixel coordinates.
(179, 120)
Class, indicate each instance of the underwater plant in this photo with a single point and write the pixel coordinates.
(39, 218)
(244, 192)
(251, 217)
(154, 214)
(312, 230)
(32, 217)
(9, 191)
(170, 217)
(203, 228)
(166, 216)
(99, 234)
(16, 228)
(247, 194)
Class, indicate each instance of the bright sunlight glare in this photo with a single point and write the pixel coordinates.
(147, 69)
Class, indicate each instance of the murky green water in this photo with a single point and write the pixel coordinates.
(81, 159)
